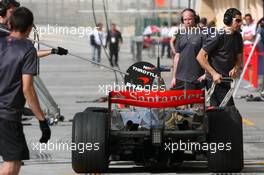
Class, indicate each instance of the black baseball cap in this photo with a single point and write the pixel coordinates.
(6, 3)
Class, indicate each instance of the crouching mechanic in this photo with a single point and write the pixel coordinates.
(18, 65)
(224, 53)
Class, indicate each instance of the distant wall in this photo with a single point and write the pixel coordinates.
(215, 9)
(79, 12)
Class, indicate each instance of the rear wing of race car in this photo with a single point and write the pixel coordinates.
(157, 99)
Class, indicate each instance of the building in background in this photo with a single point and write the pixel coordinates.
(125, 12)
(215, 9)
(122, 12)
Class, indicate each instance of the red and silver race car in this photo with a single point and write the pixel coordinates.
(157, 128)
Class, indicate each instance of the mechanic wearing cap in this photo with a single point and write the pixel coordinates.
(6, 9)
(187, 72)
(224, 53)
(18, 65)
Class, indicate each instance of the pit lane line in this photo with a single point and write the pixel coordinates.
(248, 122)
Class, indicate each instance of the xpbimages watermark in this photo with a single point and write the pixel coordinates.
(65, 30)
(147, 89)
(196, 146)
(64, 146)
(212, 31)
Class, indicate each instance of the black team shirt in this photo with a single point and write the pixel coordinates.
(17, 57)
(222, 51)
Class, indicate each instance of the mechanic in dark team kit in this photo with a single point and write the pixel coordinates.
(18, 65)
(113, 40)
(187, 72)
(224, 53)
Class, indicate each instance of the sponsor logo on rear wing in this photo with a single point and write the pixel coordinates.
(158, 99)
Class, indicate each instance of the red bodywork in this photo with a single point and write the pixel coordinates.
(157, 99)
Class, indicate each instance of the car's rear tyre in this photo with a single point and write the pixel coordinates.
(92, 129)
(225, 126)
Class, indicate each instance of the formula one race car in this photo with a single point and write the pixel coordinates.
(157, 128)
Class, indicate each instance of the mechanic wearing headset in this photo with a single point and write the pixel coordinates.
(187, 72)
(6, 9)
(224, 53)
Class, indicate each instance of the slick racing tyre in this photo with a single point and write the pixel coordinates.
(225, 127)
(90, 129)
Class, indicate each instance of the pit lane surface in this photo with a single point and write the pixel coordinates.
(74, 83)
